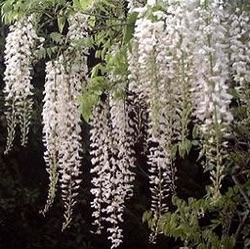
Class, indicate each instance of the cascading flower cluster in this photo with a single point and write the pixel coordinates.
(212, 100)
(123, 154)
(108, 177)
(51, 128)
(112, 157)
(178, 54)
(179, 65)
(100, 152)
(62, 131)
(70, 135)
(20, 42)
(78, 28)
(112, 136)
(62, 118)
(239, 30)
(151, 83)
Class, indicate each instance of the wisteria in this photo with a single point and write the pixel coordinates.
(113, 162)
(70, 137)
(100, 140)
(51, 128)
(62, 119)
(211, 95)
(174, 75)
(20, 42)
(154, 86)
(239, 34)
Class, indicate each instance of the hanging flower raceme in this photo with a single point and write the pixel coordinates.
(239, 30)
(106, 179)
(78, 27)
(179, 48)
(122, 132)
(70, 136)
(51, 124)
(62, 118)
(100, 152)
(62, 132)
(20, 42)
(123, 154)
(70, 115)
(136, 98)
(211, 95)
(123, 162)
(154, 86)
(112, 159)
(113, 182)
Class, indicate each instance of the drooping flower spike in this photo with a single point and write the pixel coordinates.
(20, 42)
(62, 119)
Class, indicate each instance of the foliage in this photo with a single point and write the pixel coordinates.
(201, 223)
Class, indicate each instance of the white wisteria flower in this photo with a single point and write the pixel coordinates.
(69, 121)
(151, 80)
(134, 5)
(113, 161)
(51, 128)
(100, 152)
(62, 119)
(20, 42)
(211, 97)
(239, 35)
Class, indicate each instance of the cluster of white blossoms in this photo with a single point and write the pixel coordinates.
(62, 131)
(112, 157)
(182, 60)
(62, 119)
(179, 65)
(78, 27)
(20, 42)
(70, 134)
(178, 54)
(51, 128)
(239, 33)
(99, 137)
(148, 79)
(113, 161)
(211, 77)
(108, 177)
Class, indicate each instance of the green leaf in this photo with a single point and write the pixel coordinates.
(76, 4)
(182, 150)
(8, 11)
(92, 21)
(195, 132)
(85, 4)
(128, 30)
(188, 146)
(57, 37)
(174, 150)
(61, 20)
(146, 216)
(89, 100)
